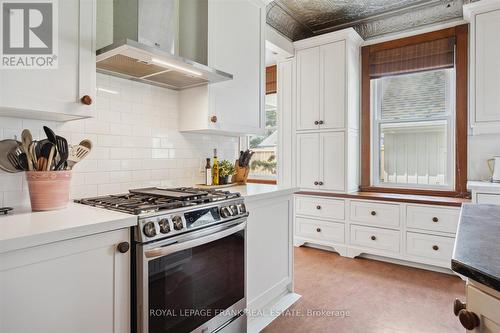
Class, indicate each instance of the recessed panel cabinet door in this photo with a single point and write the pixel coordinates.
(308, 88)
(487, 67)
(308, 160)
(78, 285)
(332, 161)
(236, 46)
(56, 93)
(332, 85)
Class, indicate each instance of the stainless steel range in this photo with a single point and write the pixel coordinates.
(189, 258)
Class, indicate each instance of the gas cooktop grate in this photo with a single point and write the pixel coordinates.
(139, 202)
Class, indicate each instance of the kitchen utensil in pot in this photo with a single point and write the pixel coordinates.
(63, 150)
(76, 154)
(46, 157)
(6, 147)
(27, 140)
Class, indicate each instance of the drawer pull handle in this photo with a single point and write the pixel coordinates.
(321, 183)
(435, 219)
(373, 238)
(318, 229)
(458, 305)
(213, 119)
(435, 247)
(321, 122)
(316, 183)
(316, 122)
(469, 320)
(373, 213)
(318, 207)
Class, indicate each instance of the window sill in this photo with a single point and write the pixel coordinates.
(394, 197)
(262, 181)
(413, 191)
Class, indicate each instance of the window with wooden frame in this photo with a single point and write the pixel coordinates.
(414, 114)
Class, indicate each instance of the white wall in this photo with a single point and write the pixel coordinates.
(136, 143)
(481, 148)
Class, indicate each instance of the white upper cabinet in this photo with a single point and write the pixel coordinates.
(236, 45)
(56, 94)
(332, 85)
(484, 99)
(323, 82)
(308, 88)
(327, 111)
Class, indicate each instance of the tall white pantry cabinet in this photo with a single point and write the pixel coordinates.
(326, 121)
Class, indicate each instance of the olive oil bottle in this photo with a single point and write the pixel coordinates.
(215, 169)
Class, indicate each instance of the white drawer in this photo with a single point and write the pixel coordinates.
(321, 230)
(429, 246)
(381, 239)
(492, 199)
(321, 207)
(432, 218)
(376, 214)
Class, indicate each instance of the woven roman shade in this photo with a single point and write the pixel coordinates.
(429, 55)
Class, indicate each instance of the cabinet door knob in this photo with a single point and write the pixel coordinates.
(316, 122)
(213, 119)
(435, 247)
(318, 229)
(86, 99)
(123, 247)
(373, 213)
(321, 122)
(469, 320)
(458, 305)
(435, 219)
(320, 183)
(316, 183)
(373, 238)
(318, 207)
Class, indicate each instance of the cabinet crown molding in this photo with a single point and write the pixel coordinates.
(478, 7)
(348, 34)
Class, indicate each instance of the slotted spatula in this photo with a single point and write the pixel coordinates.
(76, 154)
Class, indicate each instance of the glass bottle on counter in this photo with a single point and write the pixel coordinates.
(215, 170)
(208, 173)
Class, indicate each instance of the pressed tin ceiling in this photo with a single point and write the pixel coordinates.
(299, 19)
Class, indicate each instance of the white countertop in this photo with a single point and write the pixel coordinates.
(22, 228)
(485, 186)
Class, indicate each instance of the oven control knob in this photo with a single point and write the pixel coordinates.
(164, 226)
(243, 209)
(225, 212)
(234, 210)
(149, 229)
(177, 221)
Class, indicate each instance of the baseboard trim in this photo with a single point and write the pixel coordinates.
(262, 318)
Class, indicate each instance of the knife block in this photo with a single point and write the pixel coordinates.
(241, 174)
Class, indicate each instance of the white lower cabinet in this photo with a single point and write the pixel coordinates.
(326, 231)
(429, 246)
(417, 233)
(269, 254)
(78, 285)
(484, 303)
(375, 238)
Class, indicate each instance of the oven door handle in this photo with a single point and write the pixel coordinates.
(176, 247)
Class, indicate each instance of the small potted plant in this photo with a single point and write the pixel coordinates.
(226, 170)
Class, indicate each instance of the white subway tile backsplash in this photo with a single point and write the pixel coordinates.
(136, 143)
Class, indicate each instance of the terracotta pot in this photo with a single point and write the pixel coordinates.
(49, 190)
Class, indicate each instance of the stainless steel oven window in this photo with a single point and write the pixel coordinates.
(184, 283)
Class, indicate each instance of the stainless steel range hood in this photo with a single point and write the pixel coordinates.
(159, 42)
